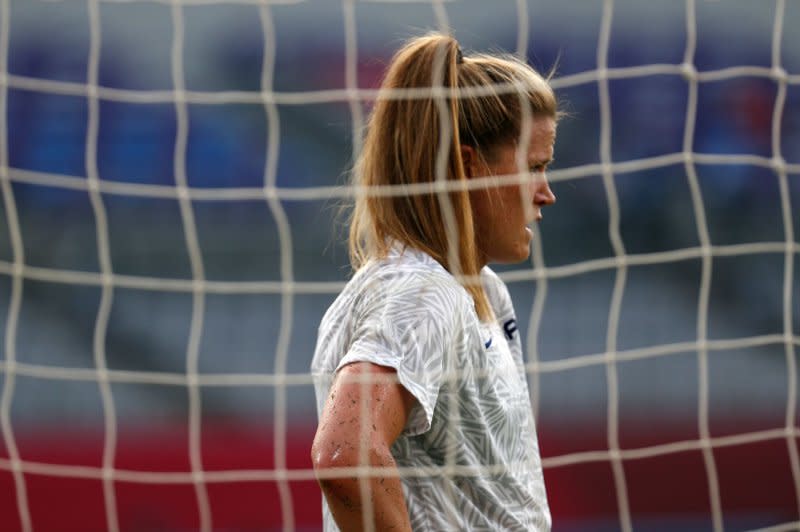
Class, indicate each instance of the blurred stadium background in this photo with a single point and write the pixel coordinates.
(58, 418)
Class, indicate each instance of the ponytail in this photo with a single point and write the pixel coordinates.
(417, 139)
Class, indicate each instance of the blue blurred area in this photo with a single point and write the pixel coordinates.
(223, 49)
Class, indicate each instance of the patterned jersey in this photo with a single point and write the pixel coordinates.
(472, 430)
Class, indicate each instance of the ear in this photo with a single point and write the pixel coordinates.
(469, 158)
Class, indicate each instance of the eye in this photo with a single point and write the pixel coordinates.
(538, 168)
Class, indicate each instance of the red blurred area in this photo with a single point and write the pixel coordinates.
(755, 480)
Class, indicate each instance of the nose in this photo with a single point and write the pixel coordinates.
(543, 195)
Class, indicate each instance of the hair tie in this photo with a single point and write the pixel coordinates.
(459, 55)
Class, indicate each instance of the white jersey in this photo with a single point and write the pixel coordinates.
(473, 410)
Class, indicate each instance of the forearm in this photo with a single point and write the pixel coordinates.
(345, 497)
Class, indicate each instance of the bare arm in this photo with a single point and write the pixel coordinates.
(342, 434)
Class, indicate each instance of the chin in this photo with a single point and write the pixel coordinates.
(524, 254)
(513, 256)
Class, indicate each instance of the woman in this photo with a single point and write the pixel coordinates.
(418, 366)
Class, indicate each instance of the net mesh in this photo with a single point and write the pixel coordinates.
(280, 380)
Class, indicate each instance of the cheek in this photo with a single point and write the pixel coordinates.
(506, 207)
(512, 208)
(481, 213)
(530, 190)
(479, 201)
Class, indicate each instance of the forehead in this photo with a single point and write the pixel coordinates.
(540, 141)
(542, 131)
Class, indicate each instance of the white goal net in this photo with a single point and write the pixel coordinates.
(171, 174)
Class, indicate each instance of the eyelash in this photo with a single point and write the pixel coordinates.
(539, 168)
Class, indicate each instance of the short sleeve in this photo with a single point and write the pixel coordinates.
(405, 325)
(497, 292)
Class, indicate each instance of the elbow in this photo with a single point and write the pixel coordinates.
(331, 453)
(328, 456)
(340, 453)
(324, 454)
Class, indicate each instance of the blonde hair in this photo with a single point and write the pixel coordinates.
(406, 136)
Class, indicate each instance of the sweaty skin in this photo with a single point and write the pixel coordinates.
(363, 420)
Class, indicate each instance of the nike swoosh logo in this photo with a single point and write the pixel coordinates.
(488, 342)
